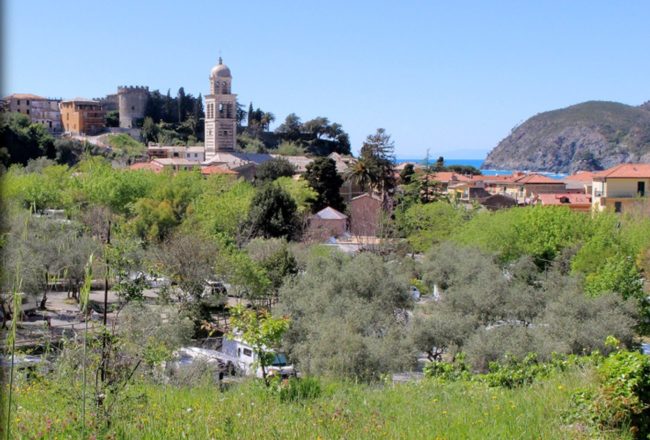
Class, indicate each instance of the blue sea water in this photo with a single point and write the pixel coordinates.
(477, 164)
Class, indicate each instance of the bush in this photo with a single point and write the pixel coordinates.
(622, 398)
(295, 389)
(448, 371)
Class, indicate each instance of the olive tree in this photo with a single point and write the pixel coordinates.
(349, 317)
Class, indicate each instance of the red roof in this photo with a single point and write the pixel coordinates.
(216, 169)
(564, 199)
(149, 166)
(536, 179)
(626, 171)
(580, 176)
(24, 96)
(449, 176)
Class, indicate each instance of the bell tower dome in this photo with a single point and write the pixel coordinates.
(220, 112)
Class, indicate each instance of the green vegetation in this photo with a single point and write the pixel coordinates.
(125, 147)
(415, 410)
(514, 301)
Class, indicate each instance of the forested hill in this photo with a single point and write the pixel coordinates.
(588, 136)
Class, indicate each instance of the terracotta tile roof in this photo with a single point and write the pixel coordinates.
(580, 176)
(216, 169)
(626, 171)
(23, 96)
(536, 179)
(448, 176)
(150, 166)
(564, 199)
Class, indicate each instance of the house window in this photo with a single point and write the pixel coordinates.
(618, 207)
(640, 189)
(27, 102)
(18, 102)
(27, 111)
(248, 352)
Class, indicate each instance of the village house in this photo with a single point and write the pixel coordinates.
(365, 215)
(176, 164)
(326, 223)
(40, 110)
(82, 116)
(581, 181)
(573, 201)
(620, 187)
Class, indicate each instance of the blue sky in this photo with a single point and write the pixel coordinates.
(451, 77)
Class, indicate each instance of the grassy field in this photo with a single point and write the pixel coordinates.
(423, 410)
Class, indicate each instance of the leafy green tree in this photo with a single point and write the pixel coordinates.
(22, 140)
(69, 151)
(272, 214)
(261, 331)
(620, 275)
(407, 173)
(325, 180)
(275, 258)
(429, 224)
(230, 198)
(149, 130)
(300, 192)
(113, 118)
(291, 128)
(376, 163)
(247, 278)
(273, 169)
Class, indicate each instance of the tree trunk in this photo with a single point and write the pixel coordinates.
(44, 298)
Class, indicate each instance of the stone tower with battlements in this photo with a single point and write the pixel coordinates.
(132, 102)
(220, 112)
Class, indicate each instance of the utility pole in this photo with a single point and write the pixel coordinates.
(104, 357)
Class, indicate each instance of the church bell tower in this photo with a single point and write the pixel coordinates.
(220, 113)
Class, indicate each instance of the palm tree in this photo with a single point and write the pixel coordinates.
(362, 173)
(266, 119)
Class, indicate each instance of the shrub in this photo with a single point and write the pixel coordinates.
(297, 389)
(622, 398)
(448, 371)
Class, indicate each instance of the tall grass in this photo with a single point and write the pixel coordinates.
(343, 410)
(84, 297)
(16, 301)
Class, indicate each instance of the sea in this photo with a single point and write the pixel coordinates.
(477, 164)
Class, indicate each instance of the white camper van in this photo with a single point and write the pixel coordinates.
(248, 362)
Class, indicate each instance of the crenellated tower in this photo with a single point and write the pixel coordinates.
(132, 103)
(220, 112)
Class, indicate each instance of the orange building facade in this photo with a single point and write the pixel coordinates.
(80, 116)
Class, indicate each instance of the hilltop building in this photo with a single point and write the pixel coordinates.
(220, 113)
(82, 116)
(132, 103)
(40, 110)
